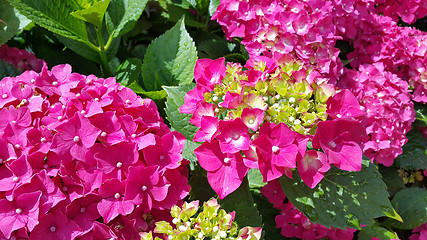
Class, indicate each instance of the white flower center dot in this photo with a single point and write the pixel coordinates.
(4, 95)
(144, 188)
(227, 160)
(251, 121)
(332, 144)
(162, 157)
(103, 134)
(127, 101)
(119, 164)
(117, 195)
(18, 211)
(76, 139)
(275, 149)
(15, 179)
(55, 83)
(133, 135)
(13, 121)
(52, 229)
(43, 140)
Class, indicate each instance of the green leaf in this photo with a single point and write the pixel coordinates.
(188, 152)
(376, 231)
(200, 188)
(93, 14)
(155, 95)
(129, 71)
(175, 14)
(421, 113)
(213, 5)
(342, 199)
(170, 59)
(411, 204)
(122, 15)
(414, 151)
(255, 179)
(179, 121)
(53, 15)
(11, 21)
(8, 70)
(242, 202)
(390, 176)
(268, 214)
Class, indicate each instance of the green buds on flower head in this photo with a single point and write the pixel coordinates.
(211, 223)
(286, 93)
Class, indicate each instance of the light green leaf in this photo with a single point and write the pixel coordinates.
(213, 5)
(411, 204)
(155, 95)
(421, 113)
(93, 14)
(255, 179)
(53, 15)
(342, 199)
(8, 70)
(11, 21)
(170, 59)
(179, 121)
(188, 152)
(129, 71)
(242, 202)
(414, 154)
(122, 15)
(376, 231)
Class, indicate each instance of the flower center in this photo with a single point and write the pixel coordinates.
(18, 211)
(227, 160)
(117, 195)
(52, 229)
(332, 144)
(236, 136)
(119, 164)
(275, 149)
(82, 210)
(76, 139)
(144, 188)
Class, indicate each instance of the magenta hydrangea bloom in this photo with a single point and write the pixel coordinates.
(312, 167)
(225, 170)
(21, 59)
(340, 141)
(68, 144)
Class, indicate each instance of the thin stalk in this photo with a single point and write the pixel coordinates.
(102, 53)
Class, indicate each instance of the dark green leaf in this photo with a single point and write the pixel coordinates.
(122, 15)
(129, 71)
(242, 202)
(53, 15)
(414, 154)
(376, 231)
(185, 4)
(8, 70)
(411, 204)
(175, 13)
(391, 177)
(93, 14)
(342, 199)
(213, 5)
(170, 59)
(11, 21)
(80, 48)
(179, 121)
(200, 188)
(255, 179)
(268, 213)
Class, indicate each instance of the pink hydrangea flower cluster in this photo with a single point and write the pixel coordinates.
(293, 223)
(419, 233)
(304, 29)
(21, 59)
(263, 117)
(402, 50)
(390, 111)
(408, 10)
(83, 157)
